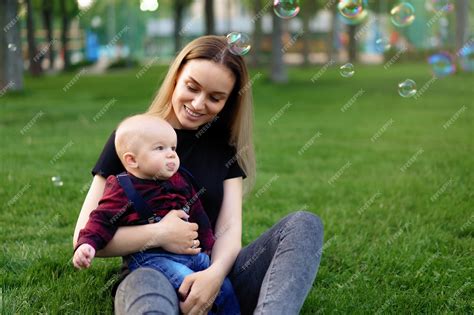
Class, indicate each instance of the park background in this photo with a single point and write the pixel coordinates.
(389, 169)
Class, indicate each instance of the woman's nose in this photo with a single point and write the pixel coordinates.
(198, 102)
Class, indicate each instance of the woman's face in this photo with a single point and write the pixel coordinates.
(201, 92)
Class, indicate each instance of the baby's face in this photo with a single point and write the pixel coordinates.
(157, 158)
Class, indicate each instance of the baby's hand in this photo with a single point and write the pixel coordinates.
(83, 256)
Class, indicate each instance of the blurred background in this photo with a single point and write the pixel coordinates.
(48, 36)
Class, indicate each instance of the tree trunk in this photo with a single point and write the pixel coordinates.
(48, 25)
(35, 66)
(331, 35)
(64, 33)
(178, 23)
(11, 62)
(257, 33)
(209, 15)
(352, 43)
(278, 72)
(462, 23)
(306, 16)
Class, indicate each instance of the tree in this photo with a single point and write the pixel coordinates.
(257, 8)
(209, 16)
(11, 63)
(178, 7)
(309, 8)
(35, 66)
(67, 10)
(279, 72)
(462, 23)
(47, 13)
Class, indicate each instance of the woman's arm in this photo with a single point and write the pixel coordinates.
(201, 288)
(228, 230)
(171, 233)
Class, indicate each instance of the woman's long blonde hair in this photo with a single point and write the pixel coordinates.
(237, 116)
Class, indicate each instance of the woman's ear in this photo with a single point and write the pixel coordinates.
(130, 160)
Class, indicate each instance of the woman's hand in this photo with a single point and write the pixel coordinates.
(176, 235)
(199, 290)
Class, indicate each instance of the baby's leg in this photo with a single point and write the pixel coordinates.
(174, 267)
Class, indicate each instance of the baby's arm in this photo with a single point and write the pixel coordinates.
(83, 256)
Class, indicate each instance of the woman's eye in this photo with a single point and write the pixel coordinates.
(213, 99)
(192, 88)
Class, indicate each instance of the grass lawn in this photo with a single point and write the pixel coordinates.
(392, 179)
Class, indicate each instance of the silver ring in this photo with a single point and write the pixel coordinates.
(194, 244)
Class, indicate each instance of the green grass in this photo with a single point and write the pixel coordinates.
(401, 253)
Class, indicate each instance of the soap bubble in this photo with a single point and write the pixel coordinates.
(440, 5)
(466, 57)
(347, 70)
(12, 47)
(382, 44)
(286, 9)
(57, 181)
(403, 14)
(238, 43)
(442, 64)
(352, 11)
(407, 88)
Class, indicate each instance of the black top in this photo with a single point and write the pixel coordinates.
(206, 155)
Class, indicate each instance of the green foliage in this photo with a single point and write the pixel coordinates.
(402, 253)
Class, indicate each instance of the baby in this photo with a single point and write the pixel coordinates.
(152, 185)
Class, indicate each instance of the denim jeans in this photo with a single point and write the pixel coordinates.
(271, 275)
(176, 267)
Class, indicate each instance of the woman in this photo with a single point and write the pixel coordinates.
(206, 97)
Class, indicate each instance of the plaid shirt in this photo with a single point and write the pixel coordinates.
(115, 209)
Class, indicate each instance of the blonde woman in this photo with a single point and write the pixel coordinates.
(206, 97)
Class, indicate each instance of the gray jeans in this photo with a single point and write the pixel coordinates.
(272, 275)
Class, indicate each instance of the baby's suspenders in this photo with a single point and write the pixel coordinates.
(139, 204)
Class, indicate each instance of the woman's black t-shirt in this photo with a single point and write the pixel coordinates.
(206, 155)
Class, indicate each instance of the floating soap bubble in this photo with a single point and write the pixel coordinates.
(352, 11)
(347, 70)
(403, 14)
(382, 44)
(57, 181)
(12, 47)
(466, 57)
(286, 9)
(442, 64)
(238, 43)
(407, 88)
(440, 5)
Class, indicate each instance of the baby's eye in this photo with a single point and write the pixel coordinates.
(160, 147)
(173, 148)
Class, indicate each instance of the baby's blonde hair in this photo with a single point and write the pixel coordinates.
(132, 131)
